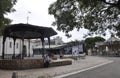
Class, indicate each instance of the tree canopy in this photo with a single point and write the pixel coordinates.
(95, 15)
(6, 6)
(90, 41)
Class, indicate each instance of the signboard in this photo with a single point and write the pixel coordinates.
(80, 48)
(75, 50)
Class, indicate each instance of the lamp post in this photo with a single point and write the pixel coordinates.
(28, 39)
(28, 16)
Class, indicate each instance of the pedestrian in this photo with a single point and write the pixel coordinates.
(46, 61)
(75, 55)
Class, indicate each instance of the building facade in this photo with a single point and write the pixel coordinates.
(9, 46)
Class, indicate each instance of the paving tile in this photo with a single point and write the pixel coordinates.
(54, 71)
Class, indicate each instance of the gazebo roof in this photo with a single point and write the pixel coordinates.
(28, 31)
(113, 39)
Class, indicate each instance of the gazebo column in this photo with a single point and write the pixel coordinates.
(14, 39)
(28, 47)
(22, 48)
(43, 46)
(49, 41)
(3, 48)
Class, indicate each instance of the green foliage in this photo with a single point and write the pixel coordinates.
(95, 15)
(90, 42)
(6, 6)
(98, 39)
(41, 77)
(71, 43)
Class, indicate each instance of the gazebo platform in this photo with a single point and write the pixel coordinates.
(21, 64)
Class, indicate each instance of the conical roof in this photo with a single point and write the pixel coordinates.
(112, 39)
(28, 31)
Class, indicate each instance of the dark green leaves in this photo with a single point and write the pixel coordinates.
(95, 15)
(6, 6)
(90, 42)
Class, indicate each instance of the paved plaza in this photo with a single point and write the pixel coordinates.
(50, 72)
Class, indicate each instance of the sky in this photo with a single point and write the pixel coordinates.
(37, 11)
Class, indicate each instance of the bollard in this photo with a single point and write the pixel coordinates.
(14, 75)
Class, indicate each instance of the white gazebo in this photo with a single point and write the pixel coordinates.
(110, 46)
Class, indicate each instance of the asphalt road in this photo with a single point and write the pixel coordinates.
(111, 70)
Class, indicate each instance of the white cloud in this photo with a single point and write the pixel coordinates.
(39, 16)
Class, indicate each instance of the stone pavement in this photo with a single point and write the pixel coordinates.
(50, 72)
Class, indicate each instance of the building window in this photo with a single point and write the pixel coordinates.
(10, 44)
(16, 45)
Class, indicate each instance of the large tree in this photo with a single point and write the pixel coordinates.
(6, 6)
(95, 15)
(90, 41)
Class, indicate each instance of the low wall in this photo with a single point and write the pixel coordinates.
(61, 63)
(20, 64)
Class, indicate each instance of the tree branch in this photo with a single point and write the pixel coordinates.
(113, 4)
